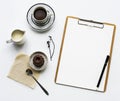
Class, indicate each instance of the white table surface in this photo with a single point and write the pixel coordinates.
(13, 16)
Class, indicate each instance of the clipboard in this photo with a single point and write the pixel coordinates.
(84, 48)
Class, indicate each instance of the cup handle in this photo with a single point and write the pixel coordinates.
(9, 41)
(49, 14)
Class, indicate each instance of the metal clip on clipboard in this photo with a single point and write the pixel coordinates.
(91, 23)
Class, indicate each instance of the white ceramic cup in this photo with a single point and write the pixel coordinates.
(40, 16)
(17, 37)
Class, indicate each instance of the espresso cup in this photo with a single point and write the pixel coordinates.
(40, 16)
(17, 37)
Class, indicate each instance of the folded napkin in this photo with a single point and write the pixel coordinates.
(18, 71)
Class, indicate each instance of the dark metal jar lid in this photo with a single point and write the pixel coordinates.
(41, 28)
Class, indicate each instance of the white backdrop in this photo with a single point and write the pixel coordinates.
(13, 16)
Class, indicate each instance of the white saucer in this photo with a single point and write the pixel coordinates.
(46, 26)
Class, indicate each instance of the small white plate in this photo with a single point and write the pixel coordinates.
(45, 61)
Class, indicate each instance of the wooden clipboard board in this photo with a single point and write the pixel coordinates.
(66, 74)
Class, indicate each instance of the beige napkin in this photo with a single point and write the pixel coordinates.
(18, 69)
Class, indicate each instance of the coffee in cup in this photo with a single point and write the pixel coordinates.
(40, 16)
(40, 13)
